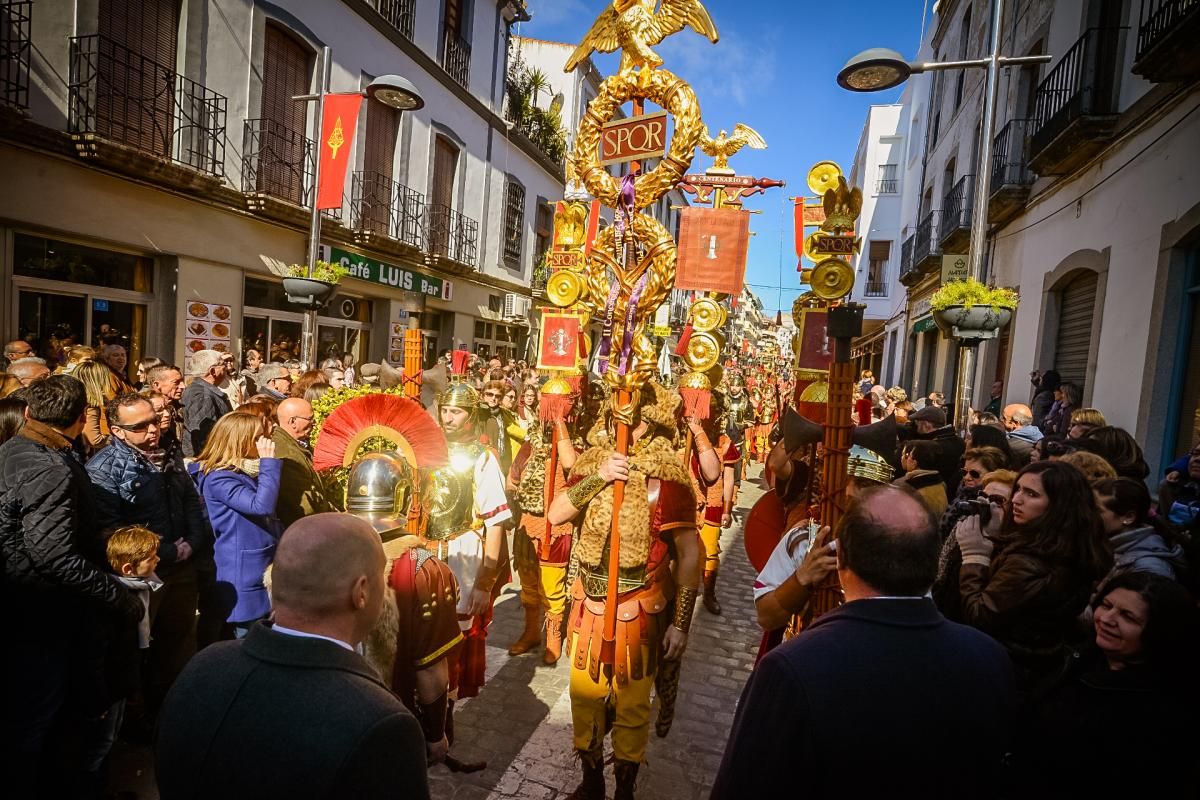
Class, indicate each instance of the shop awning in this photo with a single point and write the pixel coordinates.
(924, 324)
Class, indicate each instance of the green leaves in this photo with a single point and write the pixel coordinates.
(973, 293)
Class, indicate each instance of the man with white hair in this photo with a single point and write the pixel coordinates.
(203, 401)
(28, 370)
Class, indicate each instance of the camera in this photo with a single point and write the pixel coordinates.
(978, 506)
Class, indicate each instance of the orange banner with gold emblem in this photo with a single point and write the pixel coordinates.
(338, 124)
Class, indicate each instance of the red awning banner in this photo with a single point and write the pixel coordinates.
(338, 124)
(712, 250)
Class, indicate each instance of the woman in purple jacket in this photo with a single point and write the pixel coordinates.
(238, 477)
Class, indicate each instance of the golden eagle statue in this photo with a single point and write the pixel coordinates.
(842, 206)
(723, 147)
(634, 25)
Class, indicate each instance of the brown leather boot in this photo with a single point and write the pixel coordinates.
(532, 636)
(626, 772)
(592, 785)
(553, 639)
(711, 603)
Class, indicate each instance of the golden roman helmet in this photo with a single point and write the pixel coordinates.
(868, 465)
(459, 395)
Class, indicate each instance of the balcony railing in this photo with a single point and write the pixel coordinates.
(906, 255)
(277, 161)
(887, 186)
(1010, 155)
(1082, 84)
(120, 95)
(1167, 34)
(399, 14)
(875, 289)
(926, 243)
(384, 207)
(456, 58)
(955, 225)
(16, 16)
(452, 235)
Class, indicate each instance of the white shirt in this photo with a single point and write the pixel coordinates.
(783, 564)
(307, 635)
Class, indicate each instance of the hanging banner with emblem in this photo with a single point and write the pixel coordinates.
(712, 249)
(338, 123)
(560, 345)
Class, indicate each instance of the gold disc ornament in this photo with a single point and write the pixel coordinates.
(831, 279)
(823, 176)
(564, 288)
(706, 315)
(703, 351)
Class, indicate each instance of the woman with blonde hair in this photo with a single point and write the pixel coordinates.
(101, 387)
(238, 477)
(74, 356)
(1084, 421)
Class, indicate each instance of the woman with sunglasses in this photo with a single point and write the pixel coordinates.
(238, 477)
(527, 411)
(1027, 576)
(995, 489)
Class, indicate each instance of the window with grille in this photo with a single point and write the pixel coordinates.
(544, 228)
(878, 255)
(888, 182)
(514, 221)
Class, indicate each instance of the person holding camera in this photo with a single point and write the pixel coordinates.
(1027, 577)
(988, 501)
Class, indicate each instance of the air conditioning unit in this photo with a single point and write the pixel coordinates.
(516, 305)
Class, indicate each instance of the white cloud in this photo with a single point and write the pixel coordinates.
(555, 12)
(734, 70)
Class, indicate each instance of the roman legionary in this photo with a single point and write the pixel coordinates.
(541, 551)
(611, 681)
(738, 412)
(715, 470)
(766, 408)
(468, 510)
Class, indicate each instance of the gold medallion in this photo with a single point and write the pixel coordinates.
(831, 279)
(706, 315)
(703, 351)
(564, 288)
(824, 175)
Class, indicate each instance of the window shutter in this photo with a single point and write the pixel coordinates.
(1077, 307)
(382, 124)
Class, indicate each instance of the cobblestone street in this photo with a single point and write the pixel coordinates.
(521, 722)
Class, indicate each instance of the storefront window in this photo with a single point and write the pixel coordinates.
(273, 326)
(38, 257)
(285, 340)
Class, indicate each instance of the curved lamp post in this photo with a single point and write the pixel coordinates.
(391, 90)
(879, 68)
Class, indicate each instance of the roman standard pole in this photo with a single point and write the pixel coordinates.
(308, 334)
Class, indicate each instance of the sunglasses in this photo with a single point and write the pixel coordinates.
(137, 427)
(996, 499)
(973, 473)
(491, 394)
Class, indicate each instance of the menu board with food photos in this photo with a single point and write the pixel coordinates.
(206, 327)
(396, 343)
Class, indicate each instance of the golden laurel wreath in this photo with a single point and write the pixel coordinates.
(660, 87)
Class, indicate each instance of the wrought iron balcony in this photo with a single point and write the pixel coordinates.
(955, 227)
(1166, 44)
(456, 58)
(1076, 103)
(875, 289)
(452, 235)
(399, 14)
(887, 186)
(277, 162)
(906, 258)
(119, 95)
(16, 17)
(1011, 175)
(927, 245)
(380, 206)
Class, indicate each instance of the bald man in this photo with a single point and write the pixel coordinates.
(827, 704)
(301, 491)
(16, 350)
(1022, 433)
(292, 710)
(28, 370)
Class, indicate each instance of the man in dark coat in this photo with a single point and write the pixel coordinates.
(292, 710)
(53, 588)
(930, 424)
(882, 697)
(301, 491)
(203, 401)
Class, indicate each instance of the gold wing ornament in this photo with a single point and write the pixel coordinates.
(633, 25)
(842, 206)
(724, 146)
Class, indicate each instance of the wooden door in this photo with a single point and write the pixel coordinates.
(445, 167)
(287, 72)
(135, 73)
(375, 189)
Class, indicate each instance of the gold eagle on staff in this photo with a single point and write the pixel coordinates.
(724, 146)
(633, 25)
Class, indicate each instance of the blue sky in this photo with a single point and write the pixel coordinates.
(774, 69)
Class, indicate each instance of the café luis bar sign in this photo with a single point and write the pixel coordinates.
(372, 271)
(634, 139)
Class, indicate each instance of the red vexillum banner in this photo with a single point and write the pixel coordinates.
(712, 250)
(338, 123)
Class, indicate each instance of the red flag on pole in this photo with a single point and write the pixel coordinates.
(338, 124)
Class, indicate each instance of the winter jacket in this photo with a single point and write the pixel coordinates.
(203, 405)
(1021, 442)
(1040, 405)
(49, 547)
(949, 455)
(1027, 603)
(301, 491)
(1144, 550)
(242, 510)
(128, 490)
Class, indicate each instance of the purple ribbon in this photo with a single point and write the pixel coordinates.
(610, 308)
(630, 320)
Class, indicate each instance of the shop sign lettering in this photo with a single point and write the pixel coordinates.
(372, 271)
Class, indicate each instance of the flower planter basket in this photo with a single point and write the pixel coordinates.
(308, 292)
(972, 324)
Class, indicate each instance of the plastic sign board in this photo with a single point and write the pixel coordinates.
(955, 268)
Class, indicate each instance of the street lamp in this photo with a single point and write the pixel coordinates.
(391, 90)
(878, 69)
